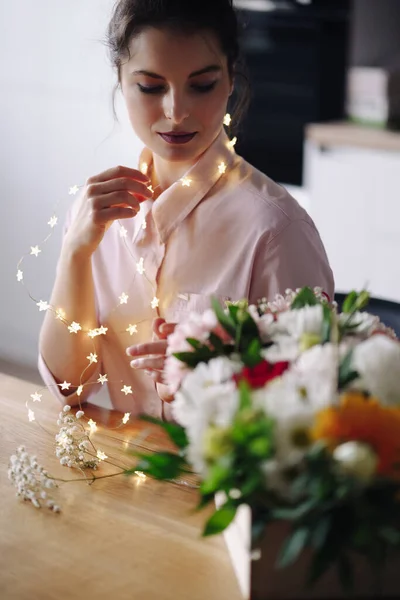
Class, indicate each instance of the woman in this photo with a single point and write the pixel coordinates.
(144, 247)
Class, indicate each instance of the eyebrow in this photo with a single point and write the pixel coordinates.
(209, 69)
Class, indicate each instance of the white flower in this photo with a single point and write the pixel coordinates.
(31, 480)
(357, 458)
(377, 360)
(362, 323)
(72, 441)
(317, 374)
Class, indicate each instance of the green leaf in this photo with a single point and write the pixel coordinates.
(346, 373)
(321, 562)
(217, 343)
(217, 476)
(346, 574)
(293, 546)
(161, 465)
(251, 356)
(350, 302)
(220, 519)
(294, 513)
(326, 324)
(244, 395)
(305, 297)
(194, 343)
(225, 320)
(192, 359)
(205, 500)
(176, 432)
(320, 532)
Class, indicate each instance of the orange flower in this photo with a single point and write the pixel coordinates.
(363, 419)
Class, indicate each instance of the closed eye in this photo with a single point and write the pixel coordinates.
(158, 89)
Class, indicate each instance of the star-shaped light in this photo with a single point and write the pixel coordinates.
(79, 390)
(42, 305)
(150, 187)
(227, 119)
(92, 358)
(92, 426)
(222, 168)
(35, 251)
(53, 221)
(186, 181)
(155, 302)
(60, 314)
(144, 223)
(102, 330)
(127, 389)
(131, 329)
(102, 379)
(140, 475)
(65, 385)
(20, 275)
(74, 327)
(232, 142)
(140, 266)
(123, 232)
(144, 168)
(125, 418)
(73, 190)
(36, 397)
(123, 299)
(31, 415)
(100, 455)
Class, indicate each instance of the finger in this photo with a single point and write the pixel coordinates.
(115, 199)
(114, 214)
(123, 185)
(157, 323)
(156, 376)
(155, 363)
(119, 171)
(159, 347)
(164, 394)
(167, 328)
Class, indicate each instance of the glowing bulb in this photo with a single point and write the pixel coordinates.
(144, 223)
(73, 190)
(144, 168)
(140, 267)
(131, 329)
(74, 327)
(101, 455)
(65, 385)
(140, 475)
(155, 302)
(123, 232)
(35, 251)
(20, 275)
(127, 389)
(227, 119)
(222, 168)
(150, 187)
(31, 415)
(60, 314)
(102, 330)
(79, 390)
(36, 397)
(92, 426)
(125, 418)
(42, 305)
(53, 221)
(102, 379)
(186, 181)
(123, 299)
(92, 358)
(232, 143)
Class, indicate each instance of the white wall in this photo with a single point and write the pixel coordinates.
(56, 129)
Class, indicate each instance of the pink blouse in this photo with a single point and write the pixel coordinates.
(224, 230)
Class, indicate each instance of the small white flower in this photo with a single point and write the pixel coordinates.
(79, 414)
(358, 459)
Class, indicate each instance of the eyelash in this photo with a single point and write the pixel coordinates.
(201, 89)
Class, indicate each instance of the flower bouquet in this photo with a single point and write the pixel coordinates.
(290, 410)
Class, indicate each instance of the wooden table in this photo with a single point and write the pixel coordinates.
(121, 538)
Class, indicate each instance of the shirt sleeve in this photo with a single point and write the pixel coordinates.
(293, 258)
(91, 386)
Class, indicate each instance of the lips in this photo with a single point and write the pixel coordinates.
(177, 138)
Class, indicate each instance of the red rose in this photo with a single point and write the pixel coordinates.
(259, 375)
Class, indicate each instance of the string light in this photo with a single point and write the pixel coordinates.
(123, 299)
(232, 143)
(140, 267)
(127, 389)
(79, 390)
(123, 232)
(42, 305)
(36, 397)
(60, 314)
(222, 167)
(150, 187)
(131, 329)
(92, 426)
(92, 358)
(144, 223)
(53, 221)
(73, 190)
(227, 119)
(125, 418)
(144, 168)
(20, 275)
(155, 302)
(99, 331)
(35, 251)
(141, 476)
(101, 455)
(74, 327)
(186, 181)
(102, 379)
(31, 415)
(65, 385)
(102, 330)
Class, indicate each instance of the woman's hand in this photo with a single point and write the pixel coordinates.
(112, 195)
(151, 356)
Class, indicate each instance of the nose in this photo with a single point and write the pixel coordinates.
(176, 107)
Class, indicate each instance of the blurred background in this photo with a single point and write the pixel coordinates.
(324, 121)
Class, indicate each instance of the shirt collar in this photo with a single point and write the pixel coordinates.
(181, 198)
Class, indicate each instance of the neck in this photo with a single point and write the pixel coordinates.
(165, 173)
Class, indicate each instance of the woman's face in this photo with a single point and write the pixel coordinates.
(176, 89)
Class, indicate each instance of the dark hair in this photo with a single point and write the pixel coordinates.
(130, 17)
